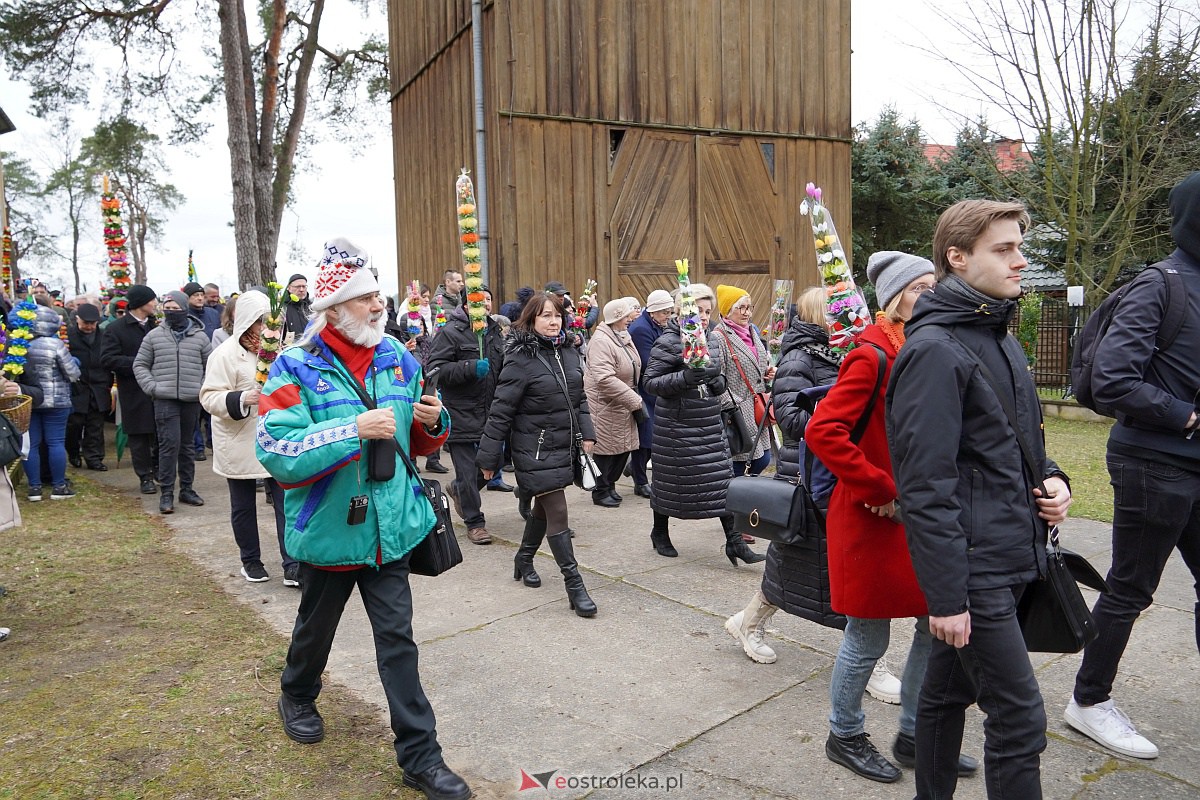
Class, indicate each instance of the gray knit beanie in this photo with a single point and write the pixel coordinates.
(890, 271)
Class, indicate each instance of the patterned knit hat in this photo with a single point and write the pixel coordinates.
(343, 275)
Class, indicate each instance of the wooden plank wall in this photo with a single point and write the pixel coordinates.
(418, 29)
(771, 66)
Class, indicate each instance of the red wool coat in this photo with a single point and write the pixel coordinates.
(870, 572)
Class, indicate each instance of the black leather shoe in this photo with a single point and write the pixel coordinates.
(604, 500)
(904, 750)
(188, 496)
(166, 504)
(75, 461)
(201, 456)
(857, 754)
(438, 783)
(97, 466)
(301, 721)
(149, 487)
(643, 490)
(498, 485)
(436, 467)
(613, 494)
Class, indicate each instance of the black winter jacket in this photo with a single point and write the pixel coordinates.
(1154, 392)
(967, 503)
(121, 342)
(692, 464)
(530, 412)
(796, 577)
(93, 390)
(452, 357)
(805, 361)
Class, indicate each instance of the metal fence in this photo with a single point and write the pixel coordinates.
(1059, 326)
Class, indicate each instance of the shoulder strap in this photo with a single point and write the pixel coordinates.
(861, 426)
(1176, 311)
(736, 363)
(576, 429)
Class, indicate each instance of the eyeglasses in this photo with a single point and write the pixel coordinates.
(919, 289)
(745, 308)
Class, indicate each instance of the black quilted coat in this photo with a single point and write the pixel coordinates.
(453, 355)
(692, 465)
(796, 578)
(530, 411)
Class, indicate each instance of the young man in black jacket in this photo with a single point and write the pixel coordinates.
(91, 395)
(976, 520)
(1154, 461)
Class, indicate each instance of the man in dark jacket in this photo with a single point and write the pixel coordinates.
(1154, 461)
(644, 331)
(91, 394)
(467, 374)
(976, 520)
(449, 294)
(295, 307)
(122, 339)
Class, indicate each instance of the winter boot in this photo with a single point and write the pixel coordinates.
(660, 539)
(735, 548)
(564, 554)
(749, 627)
(535, 531)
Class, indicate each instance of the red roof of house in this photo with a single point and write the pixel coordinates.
(1010, 154)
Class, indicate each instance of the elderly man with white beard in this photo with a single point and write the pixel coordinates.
(353, 519)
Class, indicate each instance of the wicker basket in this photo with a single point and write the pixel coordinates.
(17, 408)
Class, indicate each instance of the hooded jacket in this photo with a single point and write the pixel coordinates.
(170, 366)
(692, 465)
(49, 362)
(805, 361)
(230, 374)
(533, 415)
(967, 502)
(1155, 391)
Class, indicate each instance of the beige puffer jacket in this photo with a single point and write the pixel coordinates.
(231, 373)
(611, 379)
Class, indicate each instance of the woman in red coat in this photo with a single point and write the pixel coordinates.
(870, 572)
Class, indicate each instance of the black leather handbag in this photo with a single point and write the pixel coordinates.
(775, 509)
(1053, 615)
(739, 433)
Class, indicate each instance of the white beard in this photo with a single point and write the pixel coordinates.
(363, 332)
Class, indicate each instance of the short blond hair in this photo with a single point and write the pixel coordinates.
(700, 291)
(962, 224)
(810, 305)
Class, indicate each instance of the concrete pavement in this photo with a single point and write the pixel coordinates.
(652, 693)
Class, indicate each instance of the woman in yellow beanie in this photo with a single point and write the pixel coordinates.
(747, 367)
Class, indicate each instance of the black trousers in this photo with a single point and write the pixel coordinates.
(243, 518)
(467, 481)
(143, 452)
(1156, 509)
(176, 424)
(387, 599)
(85, 435)
(637, 465)
(994, 671)
(611, 468)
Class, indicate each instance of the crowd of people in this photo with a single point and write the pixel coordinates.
(930, 425)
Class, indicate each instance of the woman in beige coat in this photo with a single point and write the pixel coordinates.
(610, 381)
(230, 394)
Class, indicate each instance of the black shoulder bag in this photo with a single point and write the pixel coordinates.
(439, 550)
(1053, 615)
(584, 472)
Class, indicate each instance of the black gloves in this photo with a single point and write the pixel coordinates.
(717, 385)
(640, 414)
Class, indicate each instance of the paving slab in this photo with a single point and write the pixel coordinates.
(653, 687)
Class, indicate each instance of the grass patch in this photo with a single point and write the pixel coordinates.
(130, 674)
(1079, 449)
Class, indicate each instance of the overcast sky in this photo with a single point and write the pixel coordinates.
(351, 194)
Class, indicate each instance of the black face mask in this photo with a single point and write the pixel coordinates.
(176, 320)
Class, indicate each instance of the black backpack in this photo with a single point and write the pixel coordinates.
(1084, 354)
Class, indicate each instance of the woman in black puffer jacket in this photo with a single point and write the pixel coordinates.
(796, 578)
(541, 411)
(692, 464)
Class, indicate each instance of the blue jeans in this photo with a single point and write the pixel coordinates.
(864, 643)
(756, 466)
(49, 425)
(1156, 509)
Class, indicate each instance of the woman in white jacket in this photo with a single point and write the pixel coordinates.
(230, 394)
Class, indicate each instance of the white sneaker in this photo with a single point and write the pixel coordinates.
(883, 684)
(1108, 725)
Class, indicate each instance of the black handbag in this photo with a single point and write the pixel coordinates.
(738, 432)
(775, 509)
(439, 550)
(1053, 615)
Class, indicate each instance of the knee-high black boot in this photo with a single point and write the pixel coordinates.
(535, 531)
(735, 548)
(564, 554)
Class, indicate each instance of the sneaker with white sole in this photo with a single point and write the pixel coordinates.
(884, 685)
(255, 572)
(1108, 725)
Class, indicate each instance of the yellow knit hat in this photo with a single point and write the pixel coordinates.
(727, 296)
